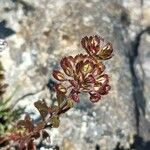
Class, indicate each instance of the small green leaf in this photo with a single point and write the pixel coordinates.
(42, 108)
(60, 99)
(69, 103)
(55, 121)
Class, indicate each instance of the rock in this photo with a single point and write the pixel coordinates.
(143, 72)
(44, 32)
(67, 145)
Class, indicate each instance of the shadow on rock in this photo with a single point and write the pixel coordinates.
(26, 7)
(138, 144)
(5, 31)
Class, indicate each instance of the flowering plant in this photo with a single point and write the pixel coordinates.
(82, 74)
(97, 48)
(78, 74)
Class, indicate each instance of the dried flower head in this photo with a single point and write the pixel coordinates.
(96, 47)
(82, 73)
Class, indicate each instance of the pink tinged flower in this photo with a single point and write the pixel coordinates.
(106, 52)
(58, 75)
(86, 76)
(97, 86)
(96, 47)
(104, 90)
(74, 83)
(98, 69)
(60, 89)
(89, 79)
(94, 97)
(67, 64)
(74, 95)
(91, 44)
(103, 79)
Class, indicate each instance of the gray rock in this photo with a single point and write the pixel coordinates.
(44, 31)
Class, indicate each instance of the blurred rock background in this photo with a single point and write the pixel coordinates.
(40, 32)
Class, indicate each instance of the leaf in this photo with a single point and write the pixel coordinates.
(60, 98)
(69, 103)
(55, 121)
(40, 126)
(53, 109)
(42, 108)
(28, 123)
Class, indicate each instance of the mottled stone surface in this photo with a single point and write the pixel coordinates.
(39, 33)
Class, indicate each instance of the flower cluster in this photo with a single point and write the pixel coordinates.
(85, 73)
(97, 48)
